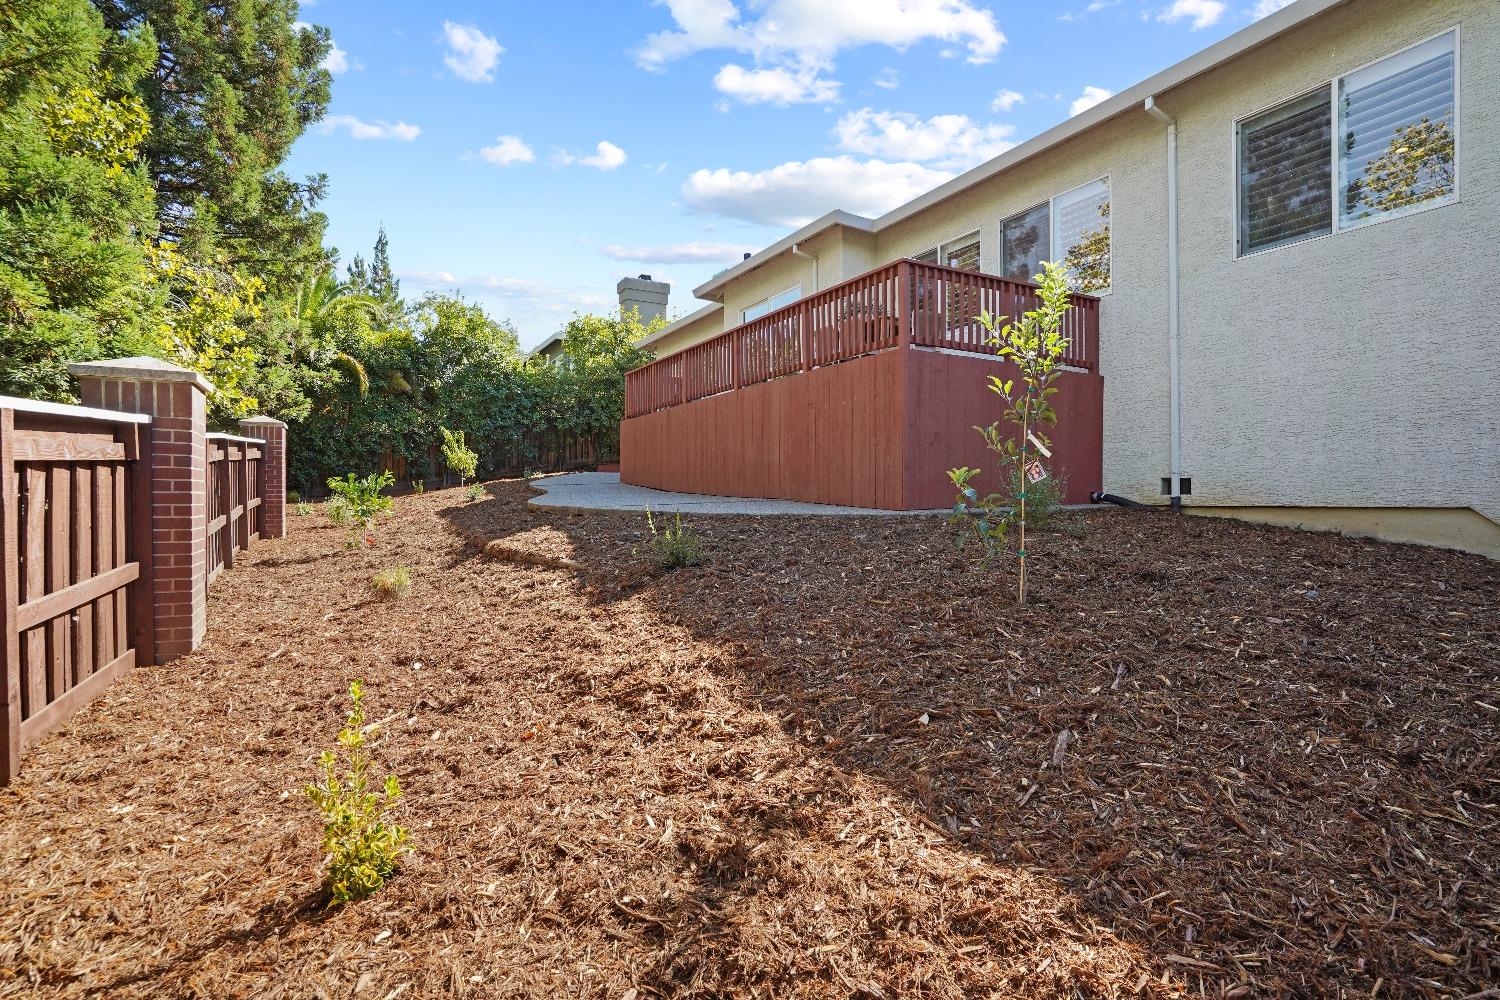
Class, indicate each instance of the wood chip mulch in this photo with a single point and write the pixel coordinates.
(1211, 758)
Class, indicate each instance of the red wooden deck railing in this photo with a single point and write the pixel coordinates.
(905, 303)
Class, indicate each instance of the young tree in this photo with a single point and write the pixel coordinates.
(1034, 345)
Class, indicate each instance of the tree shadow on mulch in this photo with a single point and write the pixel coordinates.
(1258, 754)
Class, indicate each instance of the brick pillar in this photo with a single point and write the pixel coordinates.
(177, 401)
(272, 470)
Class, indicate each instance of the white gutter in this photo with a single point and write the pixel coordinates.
(797, 251)
(1173, 361)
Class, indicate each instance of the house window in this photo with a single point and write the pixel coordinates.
(1080, 235)
(1392, 151)
(962, 253)
(772, 303)
(1285, 174)
(1023, 242)
(1397, 129)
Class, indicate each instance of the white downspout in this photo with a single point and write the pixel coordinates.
(797, 251)
(1172, 297)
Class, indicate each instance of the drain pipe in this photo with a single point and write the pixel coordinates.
(797, 251)
(1156, 112)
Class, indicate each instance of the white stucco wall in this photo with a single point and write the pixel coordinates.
(1360, 369)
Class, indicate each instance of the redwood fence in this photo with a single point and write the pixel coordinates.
(902, 304)
(112, 523)
(863, 394)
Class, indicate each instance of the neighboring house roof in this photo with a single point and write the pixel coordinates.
(542, 349)
(678, 324)
(1215, 55)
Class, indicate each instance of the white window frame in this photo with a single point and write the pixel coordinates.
(1051, 203)
(774, 295)
(1331, 87)
(937, 248)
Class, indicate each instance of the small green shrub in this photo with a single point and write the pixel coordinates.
(292, 496)
(303, 509)
(1044, 499)
(475, 492)
(419, 486)
(457, 455)
(338, 511)
(390, 584)
(359, 501)
(363, 849)
(674, 546)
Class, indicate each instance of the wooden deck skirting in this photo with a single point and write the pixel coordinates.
(864, 394)
(88, 527)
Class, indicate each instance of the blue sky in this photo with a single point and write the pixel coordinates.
(531, 154)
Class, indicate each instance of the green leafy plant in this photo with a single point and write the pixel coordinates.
(673, 546)
(458, 456)
(292, 496)
(360, 501)
(475, 492)
(391, 584)
(363, 849)
(303, 509)
(419, 486)
(1044, 499)
(1034, 345)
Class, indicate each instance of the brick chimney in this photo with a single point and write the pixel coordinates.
(650, 297)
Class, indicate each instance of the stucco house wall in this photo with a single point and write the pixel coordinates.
(1357, 372)
(685, 332)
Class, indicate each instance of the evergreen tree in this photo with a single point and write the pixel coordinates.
(383, 282)
(75, 209)
(233, 87)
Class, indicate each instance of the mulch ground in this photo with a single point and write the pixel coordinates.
(834, 761)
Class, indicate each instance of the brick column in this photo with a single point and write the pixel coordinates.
(272, 472)
(177, 401)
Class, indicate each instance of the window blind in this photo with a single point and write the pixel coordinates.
(1080, 237)
(1396, 125)
(1024, 242)
(1286, 173)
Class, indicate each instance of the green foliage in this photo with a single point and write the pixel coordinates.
(1417, 165)
(1088, 259)
(673, 546)
(74, 207)
(457, 456)
(475, 492)
(360, 501)
(419, 486)
(1035, 345)
(303, 509)
(390, 584)
(363, 848)
(1044, 499)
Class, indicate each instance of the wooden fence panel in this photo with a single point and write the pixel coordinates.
(66, 554)
(233, 495)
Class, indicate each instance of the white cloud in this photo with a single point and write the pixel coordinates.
(607, 156)
(376, 129)
(1090, 97)
(796, 193)
(1265, 8)
(1203, 12)
(819, 29)
(472, 55)
(1006, 100)
(508, 149)
(794, 42)
(679, 253)
(777, 85)
(887, 79)
(952, 142)
(522, 293)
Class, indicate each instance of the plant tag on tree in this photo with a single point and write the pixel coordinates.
(1039, 446)
(1034, 472)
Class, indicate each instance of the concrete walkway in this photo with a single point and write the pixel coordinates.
(594, 491)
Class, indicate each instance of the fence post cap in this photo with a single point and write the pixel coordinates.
(142, 369)
(261, 421)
